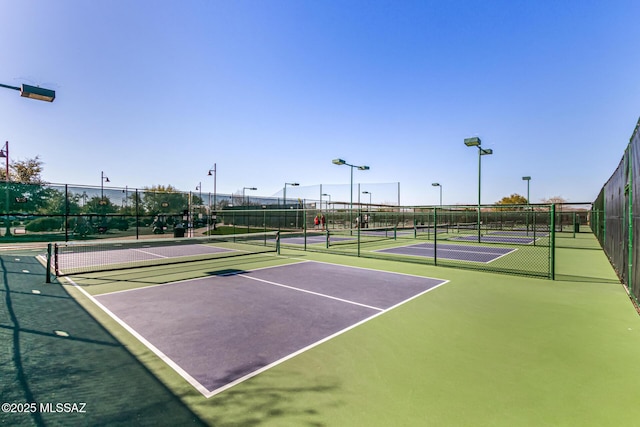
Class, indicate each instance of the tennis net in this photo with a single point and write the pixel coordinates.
(85, 257)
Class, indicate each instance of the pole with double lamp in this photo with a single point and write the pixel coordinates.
(475, 142)
(341, 162)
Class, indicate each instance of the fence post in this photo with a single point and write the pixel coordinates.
(435, 236)
(137, 216)
(552, 243)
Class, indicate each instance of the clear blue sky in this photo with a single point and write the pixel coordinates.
(156, 92)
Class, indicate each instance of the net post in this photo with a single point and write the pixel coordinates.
(328, 238)
(278, 242)
(304, 224)
(55, 259)
(48, 275)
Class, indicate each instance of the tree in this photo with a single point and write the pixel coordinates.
(514, 199)
(25, 171)
(164, 200)
(554, 199)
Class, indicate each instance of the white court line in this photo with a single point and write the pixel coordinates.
(416, 247)
(149, 253)
(201, 278)
(317, 343)
(313, 293)
(184, 374)
(209, 393)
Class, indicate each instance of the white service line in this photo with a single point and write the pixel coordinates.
(314, 293)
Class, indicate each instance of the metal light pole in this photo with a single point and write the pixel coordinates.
(5, 153)
(26, 91)
(246, 188)
(341, 162)
(528, 179)
(103, 179)
(214, 174)
(213, 213)
(475, 142)
(437, 184)
(369, 193)
(284, 192)
(329, 202)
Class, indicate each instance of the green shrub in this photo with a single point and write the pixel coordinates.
(44, 224)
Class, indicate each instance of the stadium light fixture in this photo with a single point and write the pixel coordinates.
(472, 142)
(33, 92)
(475, 142)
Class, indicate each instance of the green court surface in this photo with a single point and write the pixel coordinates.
(483, 350)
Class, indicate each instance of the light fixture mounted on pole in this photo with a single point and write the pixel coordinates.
(246, 188)
(33, 92)
(341, 162)
(369, 193)
(103, 179)
(329, 202)
(475, 142)
(26, 91)
(528, 179)
(437, 184)
(284, 191)
(212, 211)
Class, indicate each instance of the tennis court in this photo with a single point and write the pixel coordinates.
(482, 254)
(219, 330)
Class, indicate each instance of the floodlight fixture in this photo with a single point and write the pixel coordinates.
(33, 92)
(38, 93)
(472, 142)
(338, 162)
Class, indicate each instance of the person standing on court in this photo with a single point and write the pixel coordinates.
(316, 222)
(323, 221)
